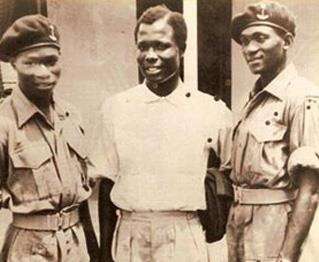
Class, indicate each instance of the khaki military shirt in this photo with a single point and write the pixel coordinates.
(276, 137)
(278, 133)
(42, 164)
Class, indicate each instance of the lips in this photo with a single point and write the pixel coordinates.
(253, 60)
(45, 85)
(152, 70)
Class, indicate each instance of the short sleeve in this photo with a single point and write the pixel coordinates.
(304, 138)
(224, 141)
(103, 156)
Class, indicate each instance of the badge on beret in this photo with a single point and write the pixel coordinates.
(51, 34)
(262, 15)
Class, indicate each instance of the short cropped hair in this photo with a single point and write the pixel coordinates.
(175, 20)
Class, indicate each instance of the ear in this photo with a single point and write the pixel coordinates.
(288, 41)
(182, 50)
(13, 63)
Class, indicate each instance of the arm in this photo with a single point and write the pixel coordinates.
(104, 165)
(90, 237)
(301, 218)
(303, 166)
(107, 220)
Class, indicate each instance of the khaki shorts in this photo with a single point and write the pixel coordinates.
(159, 237)
(256, 232)
(23, 245)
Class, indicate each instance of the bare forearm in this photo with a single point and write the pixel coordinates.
(301, 218)
(107, 219)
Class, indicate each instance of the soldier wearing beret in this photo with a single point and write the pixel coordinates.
(43, 178)
(275, 143)
(151, 149)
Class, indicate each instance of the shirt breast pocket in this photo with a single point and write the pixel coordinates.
(76, 143)
(33, 175)
(268, 131)
(270, 146)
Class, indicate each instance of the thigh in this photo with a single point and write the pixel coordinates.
(132, 241)
(30, 245)
(181, 240)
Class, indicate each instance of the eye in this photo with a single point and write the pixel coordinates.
(50, 62)
(162, 46)
(142, 47)
(260, 38)
(29, 63)
(244, 41)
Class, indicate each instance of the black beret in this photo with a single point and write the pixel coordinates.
(26, 33)
(264, 13)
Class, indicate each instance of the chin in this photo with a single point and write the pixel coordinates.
(256, 70)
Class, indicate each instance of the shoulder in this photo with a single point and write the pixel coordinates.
(69, 109)
(301, 90)
(124, 97)
(6, 108)
(214, 108)
(211, 103)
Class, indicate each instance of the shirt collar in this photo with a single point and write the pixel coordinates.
(278, 86)
(25, 109)
(176, 97)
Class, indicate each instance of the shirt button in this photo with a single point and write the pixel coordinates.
(308, 107)
(67, 113)
(209, 140)
(275, 113)
(267, 122)
(188, 94)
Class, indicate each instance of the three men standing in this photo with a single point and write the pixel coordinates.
(275, 144)
(152, 149)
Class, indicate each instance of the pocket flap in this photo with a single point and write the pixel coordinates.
(31, 157)
(75, 139)
(267, 132)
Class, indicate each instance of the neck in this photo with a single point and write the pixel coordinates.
(267, 77)
(44, 102)
(164, 88)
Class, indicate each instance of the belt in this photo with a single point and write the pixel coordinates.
(262, 196)
(47, 222)
(157, 215)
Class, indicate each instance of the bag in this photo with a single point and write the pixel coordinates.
(219, 197)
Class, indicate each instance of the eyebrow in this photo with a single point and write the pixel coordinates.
(53, 56)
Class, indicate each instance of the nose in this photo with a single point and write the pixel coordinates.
(151, 55)
(41, 71)
(251, 47)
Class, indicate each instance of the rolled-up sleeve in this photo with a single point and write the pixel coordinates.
(103, 156)
(304, 137)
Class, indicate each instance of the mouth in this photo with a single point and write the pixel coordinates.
(152, 70)
(46, 85)
(253, 60)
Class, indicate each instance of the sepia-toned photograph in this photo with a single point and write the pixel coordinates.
(159, 130)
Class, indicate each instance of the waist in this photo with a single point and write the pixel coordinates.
(157, 215)
(262, 196)
(48, 221)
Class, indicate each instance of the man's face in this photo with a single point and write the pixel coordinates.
(38, 71)
(158, 55)
(263, 49)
